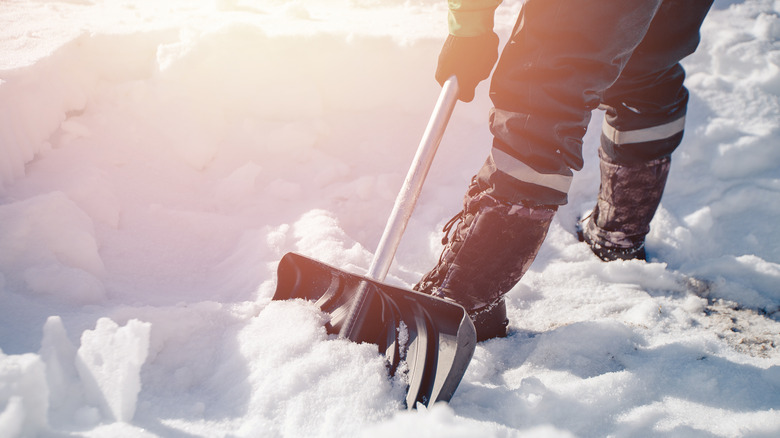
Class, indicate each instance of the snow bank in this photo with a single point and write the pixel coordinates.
(157, 160)
(47, 243)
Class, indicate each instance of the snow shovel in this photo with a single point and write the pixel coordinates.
(427, 340)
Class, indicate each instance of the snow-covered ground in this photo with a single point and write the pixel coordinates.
(158, 158)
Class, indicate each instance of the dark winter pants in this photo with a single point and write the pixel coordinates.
(567, 57)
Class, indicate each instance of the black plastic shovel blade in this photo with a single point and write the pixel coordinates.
(435, 338)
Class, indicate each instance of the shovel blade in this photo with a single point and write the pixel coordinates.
(434, 337)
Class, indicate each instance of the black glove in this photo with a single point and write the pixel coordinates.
(470, 59)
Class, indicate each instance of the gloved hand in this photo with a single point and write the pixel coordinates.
(470, 59)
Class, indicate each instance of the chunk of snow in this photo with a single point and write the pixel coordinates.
(109, 363)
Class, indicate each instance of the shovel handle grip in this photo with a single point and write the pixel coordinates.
(404, 204)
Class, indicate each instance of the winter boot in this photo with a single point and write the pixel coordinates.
(492, 245)
(628, 198)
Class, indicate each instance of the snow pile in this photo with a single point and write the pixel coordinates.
(36, 253)
(158, 159)
(24, 394)
(337, 377)
(109, 362)
(99, 380)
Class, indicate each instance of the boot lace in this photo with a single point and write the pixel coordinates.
(450, 225)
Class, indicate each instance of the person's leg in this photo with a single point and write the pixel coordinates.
(562, 55)
(487, 248)
(645, 118)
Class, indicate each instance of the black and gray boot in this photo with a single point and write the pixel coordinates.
(628, 199)
(492, 244)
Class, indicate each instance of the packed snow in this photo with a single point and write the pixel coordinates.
(157, 159)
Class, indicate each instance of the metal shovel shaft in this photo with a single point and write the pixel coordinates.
(412, 186)
(406, 200)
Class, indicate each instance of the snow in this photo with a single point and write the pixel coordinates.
(157, 159)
